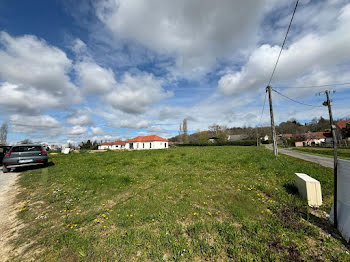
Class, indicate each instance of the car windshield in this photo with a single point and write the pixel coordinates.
(26, 148)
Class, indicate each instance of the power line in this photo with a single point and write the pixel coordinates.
(301, 103)
(341, 84)
(346, 115)
(284, 41)
(268, 88)
(262, 111)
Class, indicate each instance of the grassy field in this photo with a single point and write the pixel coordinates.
(328, 152)
(193, 203)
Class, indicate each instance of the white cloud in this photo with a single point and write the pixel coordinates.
(97, 131)
(76, 130)
(94, 78)
(135, 123)
(43, 121)
(311, 53)
(99, 138)
(196, 32)
(80, 117)
(34, 124)
(136, 93)
(34, 79)
(78, 46)
(21, 99)
(29, 61)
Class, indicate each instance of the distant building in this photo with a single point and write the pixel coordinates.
(286, 135)
(237, 137)
(212, 139)
(265, 138)
(312, 139)
(329, 138)
(343, 124)
(147, 142)
(112, 145)
(299, 143)
(343, 128)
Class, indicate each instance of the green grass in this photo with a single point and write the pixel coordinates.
(190, 203)
(328, 152)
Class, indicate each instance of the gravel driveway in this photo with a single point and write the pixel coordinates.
(7, 216)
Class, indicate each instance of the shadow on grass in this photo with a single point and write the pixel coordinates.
(34, 167)
(325, 225)
(291, 188)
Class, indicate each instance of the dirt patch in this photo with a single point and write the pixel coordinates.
(9, 226)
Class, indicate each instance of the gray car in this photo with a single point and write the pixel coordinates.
(24, 155)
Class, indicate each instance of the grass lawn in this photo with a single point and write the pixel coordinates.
(328, 152)
(193, 203)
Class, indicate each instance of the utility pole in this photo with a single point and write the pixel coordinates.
(275, 151)
(335, 209)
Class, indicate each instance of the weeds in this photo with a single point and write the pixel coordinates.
(188, 203)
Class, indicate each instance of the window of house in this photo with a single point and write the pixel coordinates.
(143, 145)
(150, 145)
(165, 145)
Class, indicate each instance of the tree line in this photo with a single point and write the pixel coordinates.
(221, 133)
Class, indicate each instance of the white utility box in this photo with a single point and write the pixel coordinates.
(65, 150)
(309, 188)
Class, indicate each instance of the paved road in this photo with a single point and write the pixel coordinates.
(323, 161)
(7, 194)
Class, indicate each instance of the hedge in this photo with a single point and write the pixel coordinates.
(228, 143)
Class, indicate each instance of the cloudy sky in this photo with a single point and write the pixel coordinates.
(108, 69)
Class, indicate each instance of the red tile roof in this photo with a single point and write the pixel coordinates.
(287, 135)
(342, 124)
(319, 134)
(118, 142)
(314, 135)
(146, 139)
(327, 134)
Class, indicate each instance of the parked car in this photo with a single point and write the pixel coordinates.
(3, 151)
(24, 155)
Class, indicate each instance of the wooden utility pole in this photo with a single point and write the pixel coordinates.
(333, 128)
(275, 150)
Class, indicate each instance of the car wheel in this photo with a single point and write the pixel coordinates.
(46, 163)
(5, 169)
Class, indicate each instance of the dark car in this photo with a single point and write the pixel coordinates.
(24, 155)
(3, 151)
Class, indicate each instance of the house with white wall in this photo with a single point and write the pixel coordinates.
(112, 145)
(147, 142)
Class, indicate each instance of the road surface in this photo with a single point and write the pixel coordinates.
(323, 161)
(7, 195)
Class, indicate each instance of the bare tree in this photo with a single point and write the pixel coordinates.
(3, 133)
(26, 141)
(180, 133)
(217, 129)
(184, 127)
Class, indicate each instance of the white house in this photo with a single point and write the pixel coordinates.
(147, 142)
(112, 145)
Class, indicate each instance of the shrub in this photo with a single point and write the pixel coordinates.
(266, 142)
(228, 143)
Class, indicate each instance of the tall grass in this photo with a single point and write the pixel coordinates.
(342, 153)
(189, 203)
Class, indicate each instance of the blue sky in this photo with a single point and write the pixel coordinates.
(114, 69)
